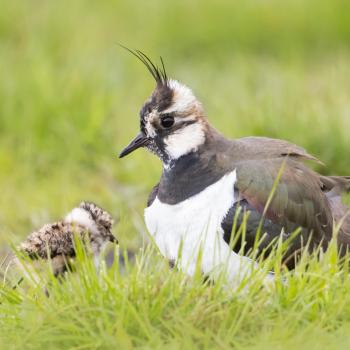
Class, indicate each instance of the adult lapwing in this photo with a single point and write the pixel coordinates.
(207, 177)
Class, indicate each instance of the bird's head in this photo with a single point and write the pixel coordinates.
(92, 217)
(172, 121)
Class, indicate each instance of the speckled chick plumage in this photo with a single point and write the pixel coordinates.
(56, 240)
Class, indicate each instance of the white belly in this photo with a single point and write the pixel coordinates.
(193, 226)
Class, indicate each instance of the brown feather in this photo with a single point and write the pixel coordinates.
(298, 200)
(56, 240)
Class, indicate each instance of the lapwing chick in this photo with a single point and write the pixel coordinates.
(88, 222)
(207, 178)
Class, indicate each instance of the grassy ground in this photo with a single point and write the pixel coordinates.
(69, 101)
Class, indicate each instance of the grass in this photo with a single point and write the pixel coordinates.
(69, 101)
(150, 305)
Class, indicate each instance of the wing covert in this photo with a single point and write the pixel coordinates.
(298, 200)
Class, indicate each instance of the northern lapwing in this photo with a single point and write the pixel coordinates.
(207, 177)
(56, 241)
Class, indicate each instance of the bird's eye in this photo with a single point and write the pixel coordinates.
(167, 121)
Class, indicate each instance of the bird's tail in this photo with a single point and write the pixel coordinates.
(341, 216)
(336, 185)
(334, 188)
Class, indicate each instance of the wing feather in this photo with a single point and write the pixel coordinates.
(298, 200)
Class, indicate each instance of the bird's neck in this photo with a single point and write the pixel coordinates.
(191, 173)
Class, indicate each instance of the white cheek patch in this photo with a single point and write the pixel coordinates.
(183, 98)
(184, 140)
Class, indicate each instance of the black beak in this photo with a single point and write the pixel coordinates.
(139, 141)
(113, 239)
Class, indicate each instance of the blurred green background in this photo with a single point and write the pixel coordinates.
(70, 96)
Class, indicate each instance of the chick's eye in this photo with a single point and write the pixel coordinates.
(167, 121)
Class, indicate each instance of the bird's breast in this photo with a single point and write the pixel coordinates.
(192, 222)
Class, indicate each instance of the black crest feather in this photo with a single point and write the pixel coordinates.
(158, 73)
